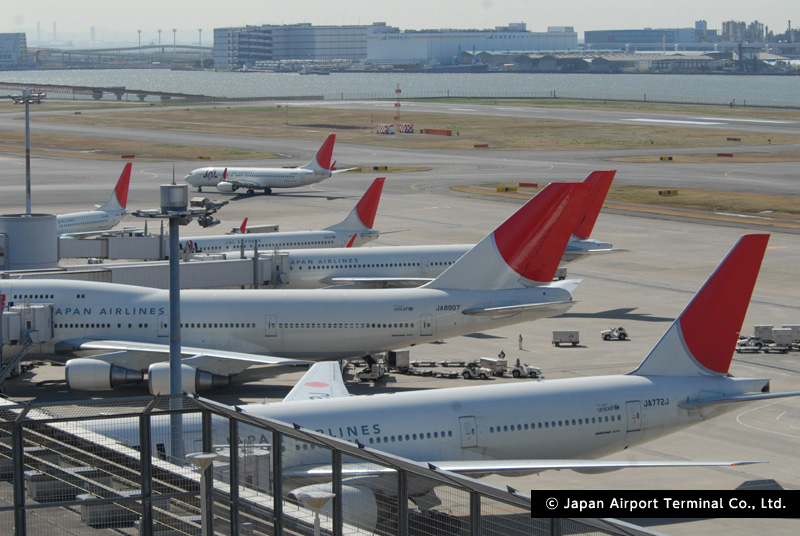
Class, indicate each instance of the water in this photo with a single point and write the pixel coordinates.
(708, 89)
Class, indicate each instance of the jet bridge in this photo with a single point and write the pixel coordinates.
(22, 326)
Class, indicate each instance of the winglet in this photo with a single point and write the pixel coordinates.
(701, 341)
(524, 249)
(600, 182)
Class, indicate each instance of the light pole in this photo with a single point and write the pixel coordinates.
(203, 461)
(140, 41)
(27, 98)
(174, 39)
(316, 500)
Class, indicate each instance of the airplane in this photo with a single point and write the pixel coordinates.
(404, 266)
(355, 230)
(505, 279)
(525, 428)
(231, 179)
(104, 217)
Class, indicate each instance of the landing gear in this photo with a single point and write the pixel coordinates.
(250, 191)
(267, 191)
(200, 189)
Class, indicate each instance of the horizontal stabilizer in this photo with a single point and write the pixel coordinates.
(738, 399)
(498, 311)
(322, 381)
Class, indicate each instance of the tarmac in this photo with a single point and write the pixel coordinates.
(642, 289)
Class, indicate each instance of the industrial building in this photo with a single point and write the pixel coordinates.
(653, 39)
(389, 45)
(13, 51)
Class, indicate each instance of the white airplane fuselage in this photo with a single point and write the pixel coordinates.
(88, 221)
(305, 324)
(280, 240)
(315, 268)
(551, 419)
(260, 177)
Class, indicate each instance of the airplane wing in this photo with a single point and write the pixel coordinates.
(216, 361)
(323, 380)
(487, 467)
(479, 468)
(241, 183)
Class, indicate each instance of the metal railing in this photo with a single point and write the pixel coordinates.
(105, 467)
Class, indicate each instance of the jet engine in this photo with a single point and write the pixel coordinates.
(87, 374)
(225, 186)
(193, 379)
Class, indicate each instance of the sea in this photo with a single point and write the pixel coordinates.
(740, 90)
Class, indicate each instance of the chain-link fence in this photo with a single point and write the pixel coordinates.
(187, 466)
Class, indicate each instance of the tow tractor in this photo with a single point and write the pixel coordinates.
(520, 370)
(473, 370)
(614, 333)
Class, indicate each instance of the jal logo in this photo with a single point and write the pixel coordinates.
(210, 173)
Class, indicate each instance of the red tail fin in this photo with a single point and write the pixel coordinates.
(532, 242)
(600, 182)
(703, 338)
(368, 206)
(325, 152)
(123, 184)
(243, 228)
(352, 240)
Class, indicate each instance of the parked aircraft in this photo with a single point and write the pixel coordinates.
(231, 179)
(528, 427)
(104, 217)
(499, 282)
(405, 266)
(355, 230)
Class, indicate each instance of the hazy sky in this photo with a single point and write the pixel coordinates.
(118, 21)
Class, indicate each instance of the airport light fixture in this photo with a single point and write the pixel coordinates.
(27, 98)
(203, 461)
(175, 208)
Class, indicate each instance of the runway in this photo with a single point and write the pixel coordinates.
(642, 289)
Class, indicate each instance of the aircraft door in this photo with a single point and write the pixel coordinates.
(469, 431)
(271, 326)
(425, 325)
(163, 326)
(425, 265)
(634, 415)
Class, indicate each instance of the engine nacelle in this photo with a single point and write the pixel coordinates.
(225, 186)
(87, 374)
(359, 504)
(193, 379)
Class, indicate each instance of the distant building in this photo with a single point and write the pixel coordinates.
(389, 45)
(13, 51)
(649, 38)
(244, 46)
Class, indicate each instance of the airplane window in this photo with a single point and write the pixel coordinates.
(392, 439)
(406, 437)
(414, 437)
(436, 434)
(370, 441)
(505, 428)
(449, 433)
(526, 426)
(491, 429)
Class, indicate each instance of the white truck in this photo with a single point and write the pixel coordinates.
(566, 337)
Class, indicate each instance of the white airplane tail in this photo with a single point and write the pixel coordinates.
(701, 341)
(363, 214)
(322, 160)
(119, 197)
(525, 249)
